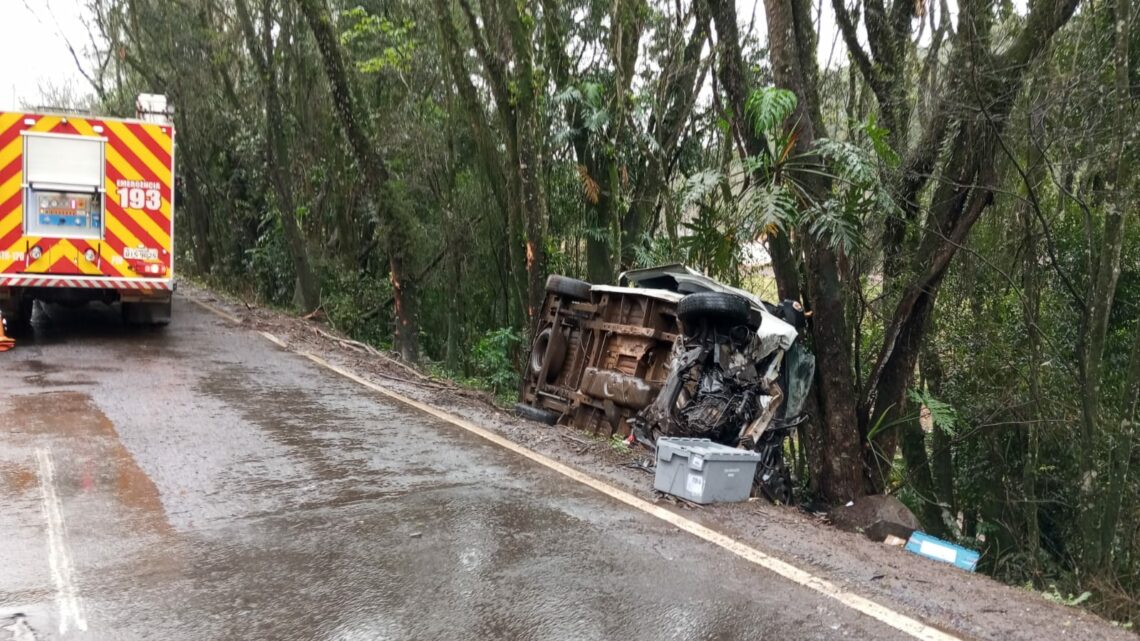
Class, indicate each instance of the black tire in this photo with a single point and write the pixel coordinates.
(778, 487)
(549, 349)
(536, 414)
(19, 317)
(568, 288)
(718, 305)
(146, 314)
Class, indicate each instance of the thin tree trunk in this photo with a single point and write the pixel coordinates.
(529, 163)
(393, 219)
(308, 290)
(1031, 289)
(941, 455)
(503, 187)
(1102, 526)
(199, 219)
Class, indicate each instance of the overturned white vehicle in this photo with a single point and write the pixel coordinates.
(672, 352)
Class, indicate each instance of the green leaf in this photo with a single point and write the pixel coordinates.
(942, 414)
(1084, 596)
(699, 185)
(771, 205)
(768, 107)
(878, 137)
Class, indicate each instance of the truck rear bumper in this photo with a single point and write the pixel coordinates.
(35, 281)
(76, 290)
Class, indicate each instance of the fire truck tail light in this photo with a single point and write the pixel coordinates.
(89, 255)
(36, 253)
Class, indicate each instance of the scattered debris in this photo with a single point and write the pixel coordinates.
(894, 540)
(642, 465)
(572, 438)
(374, 352)
(923, 544)
(415, 535)
(876, 517)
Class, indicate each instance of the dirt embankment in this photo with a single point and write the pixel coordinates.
(967, 605)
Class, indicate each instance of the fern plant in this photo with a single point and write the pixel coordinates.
(779, 201)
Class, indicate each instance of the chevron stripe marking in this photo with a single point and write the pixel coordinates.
(138, 149)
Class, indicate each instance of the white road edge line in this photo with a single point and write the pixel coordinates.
(66, 596)
(881, 613)
(273, 339)
(226, 315)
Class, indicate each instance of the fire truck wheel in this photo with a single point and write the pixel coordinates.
(150, 314)
(536, 414)
(568, 288)
(718, 305)
(19, 317)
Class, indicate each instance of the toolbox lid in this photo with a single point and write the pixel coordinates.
(707, 450)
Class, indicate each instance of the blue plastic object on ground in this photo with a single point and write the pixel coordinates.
(923, 544)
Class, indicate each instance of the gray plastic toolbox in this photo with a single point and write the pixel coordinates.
(701, 471)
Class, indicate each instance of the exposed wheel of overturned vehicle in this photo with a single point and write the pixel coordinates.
(568, 288)
(549, 350)
(716, 305)
(536, 414)
(774, 483)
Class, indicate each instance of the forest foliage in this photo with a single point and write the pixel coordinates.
(950, 190)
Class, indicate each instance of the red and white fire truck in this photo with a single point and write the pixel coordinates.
(87, 212)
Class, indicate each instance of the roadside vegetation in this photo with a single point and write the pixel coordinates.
(952, 193)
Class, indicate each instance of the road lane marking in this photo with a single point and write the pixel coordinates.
(908, 625)
(226, 315)
(66, 594)
(273, 339)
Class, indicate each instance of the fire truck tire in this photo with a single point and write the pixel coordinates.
(150, 314)
(536, 414)
(719, 305)
(19, 317)
(568, 288)
(549, 350)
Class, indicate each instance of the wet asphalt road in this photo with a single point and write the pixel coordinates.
(200, 483)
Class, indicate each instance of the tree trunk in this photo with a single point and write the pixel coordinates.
(529, 162)
(965, 192)
(502, 187)
(1031, 288)
(391, 216)
(919, 475)
(277, 156)
(792, 48)
(199, 220)
(1101, 510)
(941, 455)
